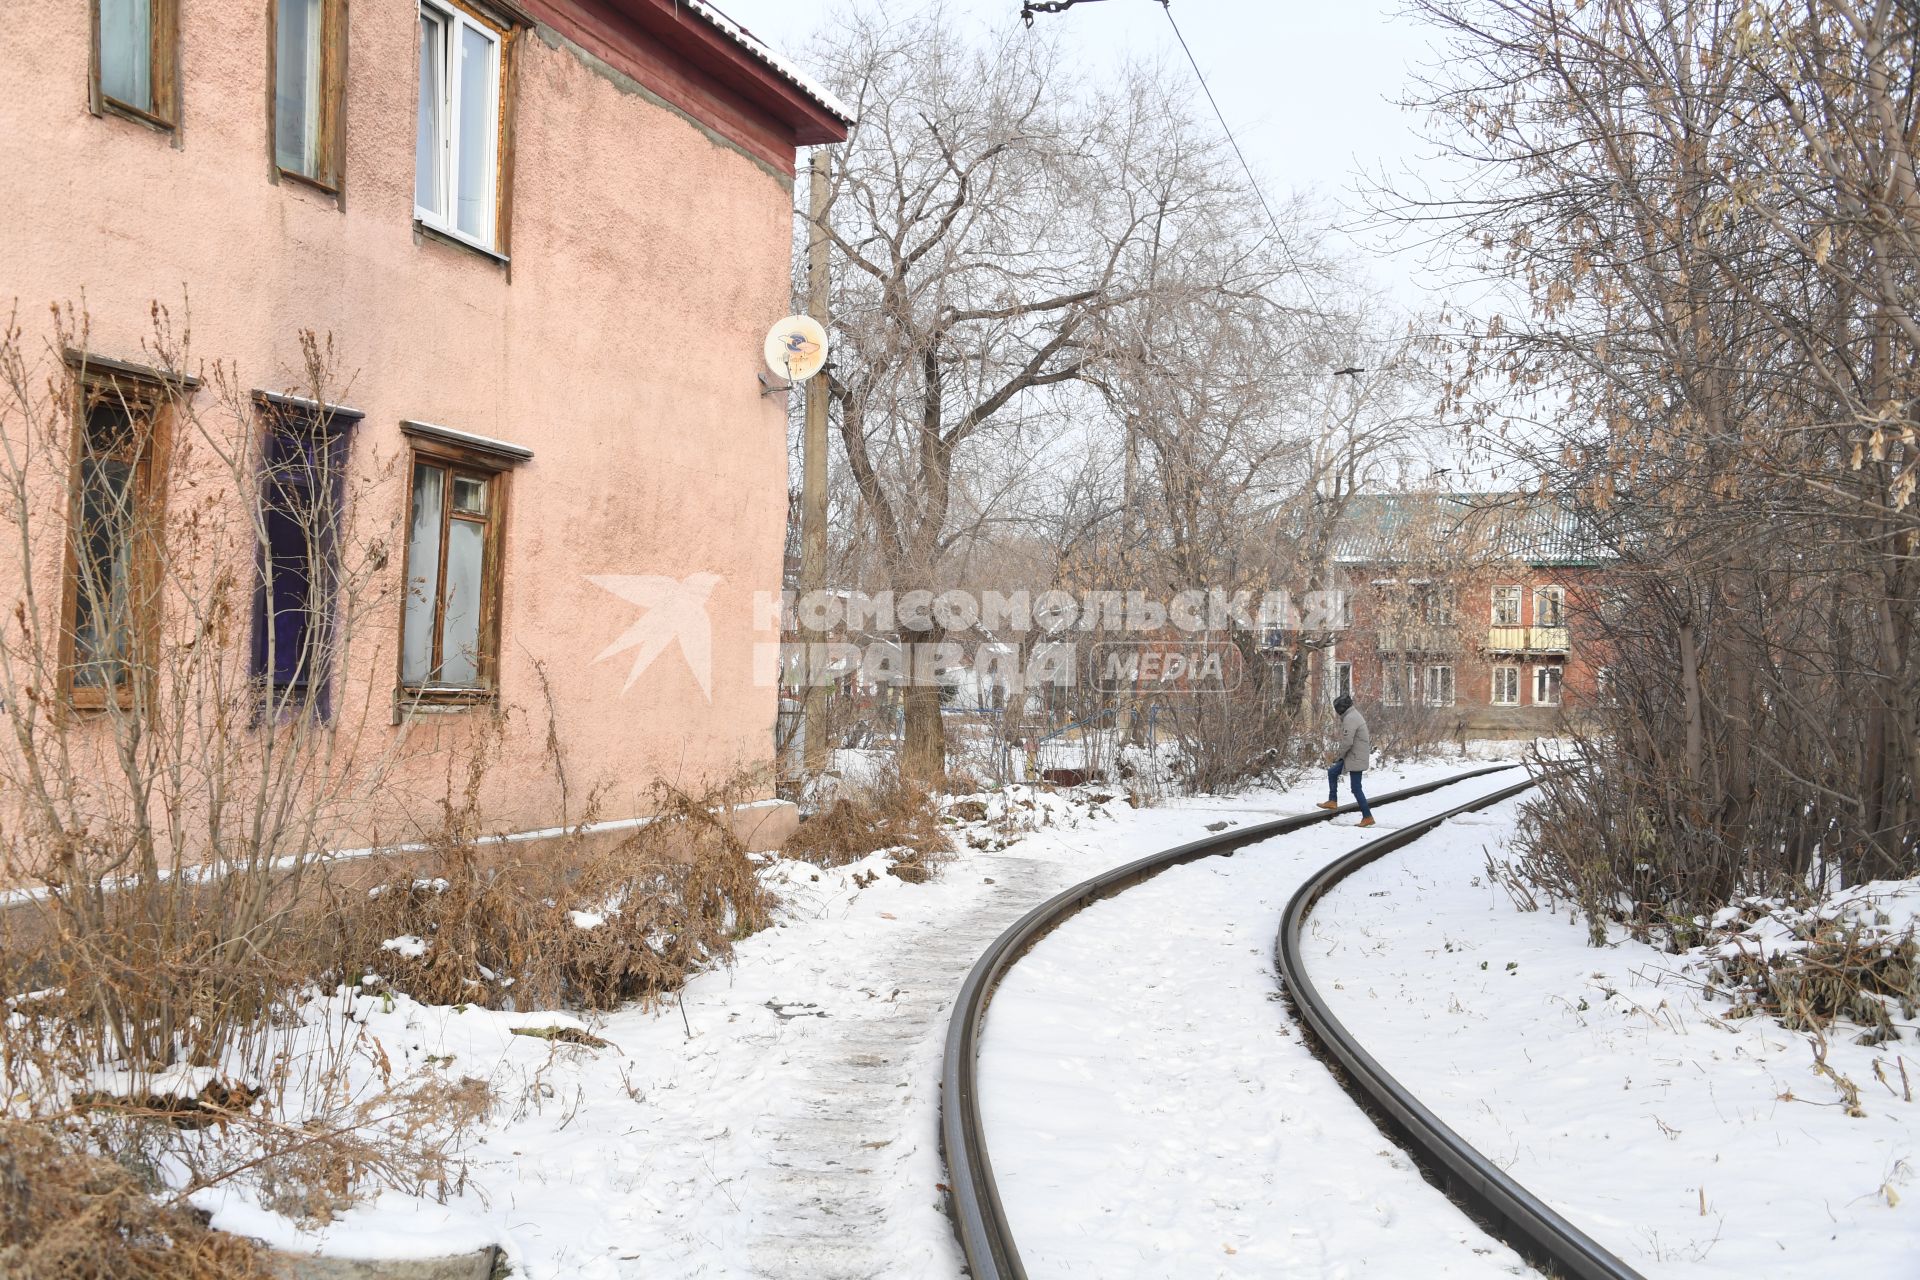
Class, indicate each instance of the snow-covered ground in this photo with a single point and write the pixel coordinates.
(786, 1126)
(1690, 1143)
(1150, 1111)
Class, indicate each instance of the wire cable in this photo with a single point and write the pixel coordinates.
(1259, 193)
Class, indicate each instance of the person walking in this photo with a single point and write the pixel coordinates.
(1356, 749)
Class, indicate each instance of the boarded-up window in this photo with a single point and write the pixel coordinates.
(303, 461)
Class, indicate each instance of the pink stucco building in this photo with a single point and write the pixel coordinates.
(542, 241)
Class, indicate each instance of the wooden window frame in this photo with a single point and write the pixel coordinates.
(1556, 594)
(1436, 607)
(1426, 691)
(155, 394)
(450, 457)
(1390, 696)
(1518, 594)
(507, 26)
(333, 95)
(164, 70)
(1540, 669)
(1493, 694)
(1340, 666)
(332, 426)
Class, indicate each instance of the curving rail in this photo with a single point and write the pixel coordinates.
(978, 1218)
(1502, 1206)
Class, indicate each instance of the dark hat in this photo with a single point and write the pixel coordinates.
(1341, 703)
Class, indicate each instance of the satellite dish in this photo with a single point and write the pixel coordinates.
(796, 348)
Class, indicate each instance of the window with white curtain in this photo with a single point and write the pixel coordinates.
(457, 141)
(303, 71)
(1546, 686)
(1506, 686)
(133, 58)
(1439, 688)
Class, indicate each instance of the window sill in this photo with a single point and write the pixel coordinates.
(95, 703)
(159, 124)
(311, 183)
(426, 230)
(441, 700)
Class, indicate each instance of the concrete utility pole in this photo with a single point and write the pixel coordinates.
(813, 465)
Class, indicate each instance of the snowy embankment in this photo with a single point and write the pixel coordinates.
(1690, 1142)
(782, 1122)
(1151, 1111)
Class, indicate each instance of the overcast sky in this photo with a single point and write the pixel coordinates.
(1307, 86)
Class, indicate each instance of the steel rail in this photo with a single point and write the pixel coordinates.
(1503, 1207)
(979, 1220)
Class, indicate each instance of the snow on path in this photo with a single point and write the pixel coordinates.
(787, 1127)
(1695, 1146)
(825, 1184)
(1151, 1112)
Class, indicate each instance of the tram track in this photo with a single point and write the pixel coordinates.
(1501, 1206)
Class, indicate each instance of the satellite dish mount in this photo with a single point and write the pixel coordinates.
(795, 349)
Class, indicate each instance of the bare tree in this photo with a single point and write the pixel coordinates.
(993, 220)
(1708, 209)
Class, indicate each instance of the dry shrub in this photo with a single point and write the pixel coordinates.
(1827, 969)
(404, 1140)
(895, 813)
(563, 925)
(65, 1214)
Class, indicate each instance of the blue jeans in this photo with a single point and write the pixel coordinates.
(1353, 780)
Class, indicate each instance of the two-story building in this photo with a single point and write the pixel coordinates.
(534, 247)
(1469, 609)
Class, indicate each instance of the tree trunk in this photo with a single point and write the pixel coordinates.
(1690, 692)
(923, 756)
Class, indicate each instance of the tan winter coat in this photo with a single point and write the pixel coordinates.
(1356, 743)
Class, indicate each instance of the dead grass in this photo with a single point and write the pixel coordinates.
(557, 927)
(570, 924)
(1842, 970)
(65, 1215)
(894, 814)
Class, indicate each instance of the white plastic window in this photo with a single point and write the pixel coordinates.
(457, 138)
(1506, 606)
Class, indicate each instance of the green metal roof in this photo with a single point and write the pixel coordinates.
(1527, 528)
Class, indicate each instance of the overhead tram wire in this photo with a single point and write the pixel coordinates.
(1031, 7)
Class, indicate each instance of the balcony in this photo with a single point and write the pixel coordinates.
(1420, 640)
(1526, 640)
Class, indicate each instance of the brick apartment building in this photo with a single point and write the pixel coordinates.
(1471, 610)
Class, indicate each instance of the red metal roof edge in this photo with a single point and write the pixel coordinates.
(734, 58)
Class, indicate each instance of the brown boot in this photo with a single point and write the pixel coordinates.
(1328, 804)
(1366, 822)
